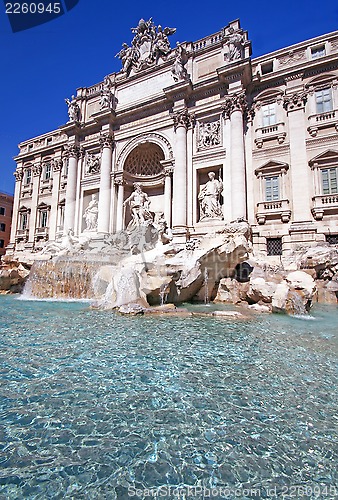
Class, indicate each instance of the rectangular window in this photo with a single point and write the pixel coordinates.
(317, 52)
(28, 176)
(269, 114)
(23, 221)
(324, 101)
(48, 170)
(274, 246)
(43, 218)
(2, 227)
(2, 211)
(332, 239)
(329, 180)
(272, 188)
(267, 68)
(2, 243)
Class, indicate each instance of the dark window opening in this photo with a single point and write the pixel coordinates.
(332, 239)
(2, 211)
(2, 227)
(2, 243)
(267, 68)
(274, 246)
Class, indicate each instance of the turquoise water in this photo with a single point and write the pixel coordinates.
(94, 405)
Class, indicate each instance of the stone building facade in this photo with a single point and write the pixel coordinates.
(6, 207)
(210, 133)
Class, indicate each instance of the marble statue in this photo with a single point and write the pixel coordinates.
(129, 57)
(208, 197)
(106, 97)
(164, 232)
(139, 207)
(74, 111)
(178, 70)
(149, 45)
(235, 43)
(91, 213)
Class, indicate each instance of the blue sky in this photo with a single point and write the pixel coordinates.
(43, 65)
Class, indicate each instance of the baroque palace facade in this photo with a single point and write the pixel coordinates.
(211, 134)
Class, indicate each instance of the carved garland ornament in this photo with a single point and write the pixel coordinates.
(18, 174)
(57, 165)
(295, 101)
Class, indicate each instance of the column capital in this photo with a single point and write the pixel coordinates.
(118, 179)
(57, 165)
(235, 102)
(182, 118)
(106, 140)
(168, 171)
(18, 174)
(37, 169)
(295, 101)
(72, 151)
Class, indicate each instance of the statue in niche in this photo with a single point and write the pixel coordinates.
(106, 98)
(139, 207)
(74, 111)
(209, 134)
(208, 197)
(178, 70)
(91, 213)
(92, 164)
(235, 44)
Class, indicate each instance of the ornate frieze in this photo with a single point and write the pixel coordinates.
(295, 101)
(235, 102)
(182, 118)
(149, 45)
(291, 57)
(209, 134)
(92, 164)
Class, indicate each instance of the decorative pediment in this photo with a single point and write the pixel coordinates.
(329, 157)
(43, 206)
(24, 209)
(271, 167)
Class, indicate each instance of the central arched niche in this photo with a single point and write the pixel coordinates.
(144, 165)
(145, 161)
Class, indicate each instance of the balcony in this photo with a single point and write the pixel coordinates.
(41, 233)
(271, 210)
(269, 133)
(326, 204)
(320, 121)
(21, 235)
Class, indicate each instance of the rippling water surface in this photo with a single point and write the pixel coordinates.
(94, 405)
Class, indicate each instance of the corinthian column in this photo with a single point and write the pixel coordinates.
(18, 182)
(37, 169)
(182, 120)
(235, 106)
(57, 167)
(106, 141)
(120, 210)
(72, 153)
(167, 194)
